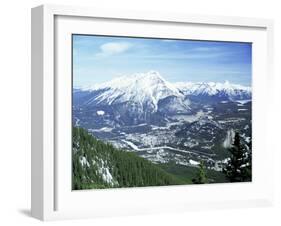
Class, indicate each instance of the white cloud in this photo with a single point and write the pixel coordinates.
(112, 48)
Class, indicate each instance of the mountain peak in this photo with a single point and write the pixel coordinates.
(153, 74)
(149, 80)
(150, 77)
(139, 88)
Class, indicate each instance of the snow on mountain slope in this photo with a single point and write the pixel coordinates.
(148, 91)
(226, 89)
(142, 88)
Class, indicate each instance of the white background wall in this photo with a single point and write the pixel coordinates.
(15, 111)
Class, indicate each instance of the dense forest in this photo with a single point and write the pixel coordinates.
(99, 165)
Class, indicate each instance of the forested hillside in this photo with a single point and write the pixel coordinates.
(99, 165)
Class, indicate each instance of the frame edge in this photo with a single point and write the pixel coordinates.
(37, 40)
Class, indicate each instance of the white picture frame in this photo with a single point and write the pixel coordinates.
(52, 197)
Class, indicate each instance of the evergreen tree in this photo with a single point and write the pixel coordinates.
(247, 171)
(201, 176)
(239, 166)
(100, 159)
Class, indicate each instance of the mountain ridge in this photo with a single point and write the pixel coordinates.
(148, 97)
(139, 88)
(152, 86)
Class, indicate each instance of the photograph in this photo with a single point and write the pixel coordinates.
(160, 111)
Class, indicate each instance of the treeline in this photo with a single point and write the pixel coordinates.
(99, 165)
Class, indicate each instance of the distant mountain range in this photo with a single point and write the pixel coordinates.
(150, 92)
(221, 91)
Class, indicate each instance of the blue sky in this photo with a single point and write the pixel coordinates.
(98, 59)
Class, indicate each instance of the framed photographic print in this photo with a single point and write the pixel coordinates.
(137, 113)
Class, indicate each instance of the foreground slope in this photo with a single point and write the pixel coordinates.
(99, 165)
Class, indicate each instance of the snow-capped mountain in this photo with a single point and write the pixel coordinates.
(148, 97)
(137, 88)
(224, 91)
(149, 88)
(143, 90)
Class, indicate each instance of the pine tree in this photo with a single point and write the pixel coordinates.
(247, 171)
(238, 167)
(201, 176)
